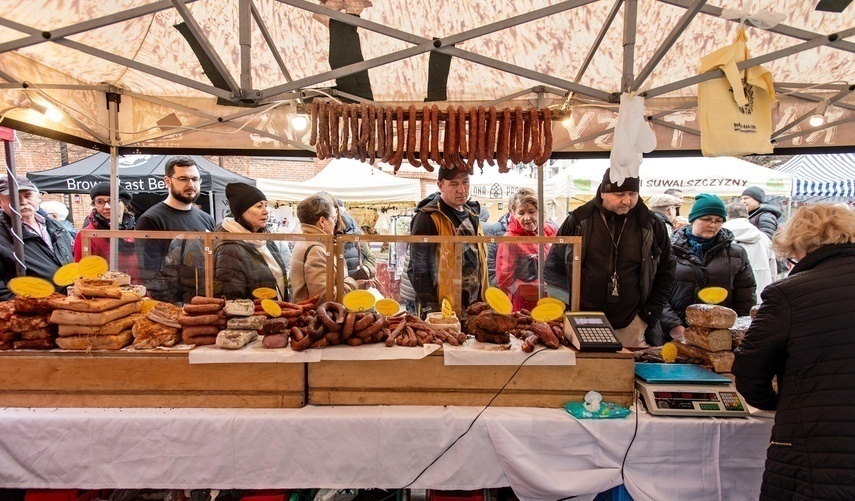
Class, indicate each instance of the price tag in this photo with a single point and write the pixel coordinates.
(358, 300)
(712, 295)
(498, 300)
(447, 310)
(271, 307)
(67, 274)
(669, 352)
(387, 307)
(264, 293)
(547, 312)
(93, 266)
(31, 287)
(553, 300)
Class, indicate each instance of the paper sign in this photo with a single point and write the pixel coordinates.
(67, 274)
(712, 295)
(270, 306)
(447, 310)
(498, 300)
(31, 287)
(387, 307)
(93, 266)
(358, 300)
(547, 312)
(553, 300)
(264, 293)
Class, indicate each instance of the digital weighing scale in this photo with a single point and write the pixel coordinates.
(687, 390)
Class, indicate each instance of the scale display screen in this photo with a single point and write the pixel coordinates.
(670, 395)
(588, 321)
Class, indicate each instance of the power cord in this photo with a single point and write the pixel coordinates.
(634, 434)
(471, 424)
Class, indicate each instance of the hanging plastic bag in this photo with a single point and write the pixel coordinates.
(735, 111)
(633, 136)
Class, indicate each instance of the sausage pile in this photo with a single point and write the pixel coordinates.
(491, 327)
(366, 132)
(410, 330)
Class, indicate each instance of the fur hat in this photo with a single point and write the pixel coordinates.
(629, 184)
(103, 190)
(755, 193)
(242, 196)
(707, 205)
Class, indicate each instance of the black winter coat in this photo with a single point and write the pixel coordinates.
(725, 265)
(804, 333)
(239, 268)
(765, 218)
(40, 260)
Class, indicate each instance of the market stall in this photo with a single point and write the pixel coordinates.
(821, 177)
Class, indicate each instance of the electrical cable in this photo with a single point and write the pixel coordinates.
(634, 434)
(472, 423)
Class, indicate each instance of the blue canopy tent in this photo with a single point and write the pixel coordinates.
(822, 177)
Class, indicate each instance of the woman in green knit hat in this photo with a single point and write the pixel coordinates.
(707, 256)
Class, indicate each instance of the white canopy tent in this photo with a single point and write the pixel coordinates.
(348, 180)
(492, 186)
(722, 176)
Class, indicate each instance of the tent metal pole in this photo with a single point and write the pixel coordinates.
(245, 41)
(541, 255)
(816, 99)
(115, 204)
(14, 201)
(630, 18)
(837, 97)
(670, 125)
(828, 125)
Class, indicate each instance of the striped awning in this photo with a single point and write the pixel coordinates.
(822, 176)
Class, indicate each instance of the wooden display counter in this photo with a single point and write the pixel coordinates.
(146, 379)
(429, 382)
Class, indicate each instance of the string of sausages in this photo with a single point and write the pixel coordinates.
(469, 137)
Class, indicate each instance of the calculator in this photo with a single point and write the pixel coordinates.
(590, 331)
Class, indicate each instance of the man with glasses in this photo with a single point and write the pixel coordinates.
(707, 256)
(176, 213)
(627, 265)
(47, 244)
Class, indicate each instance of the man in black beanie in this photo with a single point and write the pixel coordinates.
(627, 264)
(760, 214)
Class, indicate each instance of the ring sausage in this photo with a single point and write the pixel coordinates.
(450, 150)
(424, 145)
(411, 137)
(546, 148)
(481, 148)
(472, 148)
(325, 313)
(526, 140)
(380, 129)
(354, 132)
(398, 157)
(347, 328)
(434, 137)
(363, 133)
(372, 136)
(313, 136)
(518, 135)
(323, 131)
(363, 322)
(490, 141)
(504, 140)
(390, 135)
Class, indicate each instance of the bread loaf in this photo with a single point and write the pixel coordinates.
(114, 342)
(66, 317)
(91, 305)
(235, 339)
(708, 339)
(740, 327)
(718, 361)
(42, 306)
(91, 288)
(109, 329)
(149, 334)
(710, 315)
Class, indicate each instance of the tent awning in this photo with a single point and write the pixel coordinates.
(822, 176)
(722, 176)
(137, 173)
(349, 180)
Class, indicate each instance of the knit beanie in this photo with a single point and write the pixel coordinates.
(242, 196)
(755, 193)
(629, 184)
(103, 190)
(707, 205)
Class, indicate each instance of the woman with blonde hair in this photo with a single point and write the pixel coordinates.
(516, 263)
(804, 333)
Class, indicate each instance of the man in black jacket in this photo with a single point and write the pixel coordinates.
(760, 214)
(47, 244)
(627, 265)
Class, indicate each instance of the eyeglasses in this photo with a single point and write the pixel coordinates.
(185, 179)
(100, 202)
(711, 220)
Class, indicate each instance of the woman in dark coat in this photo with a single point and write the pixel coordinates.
(241, 266)
(707, 256)
(804, 333)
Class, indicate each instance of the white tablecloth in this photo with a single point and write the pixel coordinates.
(541, 453)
